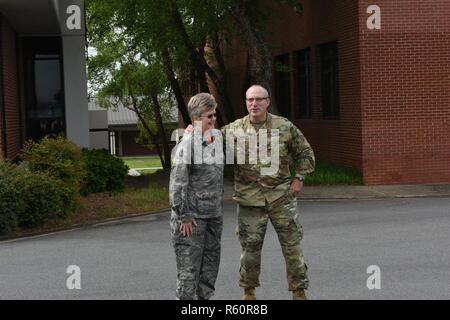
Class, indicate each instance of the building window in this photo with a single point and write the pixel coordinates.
(329, 80)
(46, 117)
(283, 84)
(44, 94)
(303, 104)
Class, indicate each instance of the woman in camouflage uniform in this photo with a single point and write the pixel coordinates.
(196, 195)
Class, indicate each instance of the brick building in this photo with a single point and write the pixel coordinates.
(42, 72)
(368, 86)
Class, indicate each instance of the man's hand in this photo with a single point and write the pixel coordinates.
(189, 129)
(186, 228)
(296, 186)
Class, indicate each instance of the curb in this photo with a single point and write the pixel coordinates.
(365, 197)
(4, 239)
(374, 197)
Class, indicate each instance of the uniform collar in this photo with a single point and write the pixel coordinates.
(268, 121)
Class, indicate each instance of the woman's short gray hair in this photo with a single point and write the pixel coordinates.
(200, 103)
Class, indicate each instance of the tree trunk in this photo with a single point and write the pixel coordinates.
(161, 132)
(201, 64)
(146, 127)
(170, 74)
(260, 62)
(193, 81)
(201, 77)
(215, 46)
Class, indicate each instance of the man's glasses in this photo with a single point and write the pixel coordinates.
(258, 99)
(210, 116)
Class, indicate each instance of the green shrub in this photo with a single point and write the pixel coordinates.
(43, 196)
(104, 172)
(330, 174)
(10, 201)
(58, 157)
(29, 198)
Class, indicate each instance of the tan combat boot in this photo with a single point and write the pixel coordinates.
(299, 294)
(249, 294)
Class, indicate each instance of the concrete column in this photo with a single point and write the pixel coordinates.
(72, 25)
(75, 90)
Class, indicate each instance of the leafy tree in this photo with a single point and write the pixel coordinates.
(187, 37)
(250, 18)
(166, 31)
(138, 86)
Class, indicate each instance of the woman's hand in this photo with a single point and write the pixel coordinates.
(186, 228)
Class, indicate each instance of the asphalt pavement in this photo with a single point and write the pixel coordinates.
(406, 240)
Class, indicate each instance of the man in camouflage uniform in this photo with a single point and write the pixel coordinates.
(261, 197)
(196, 196)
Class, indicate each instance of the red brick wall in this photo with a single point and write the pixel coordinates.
(2, 133)
(10, 89)
(1, 136)
(405, 90)
(1, 113)
(322, 21)
(235, 61)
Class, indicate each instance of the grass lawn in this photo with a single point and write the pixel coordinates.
(325, 174)
(328, 174)
(134, 200)
(142, 194)
(145, 193)
(143, 162)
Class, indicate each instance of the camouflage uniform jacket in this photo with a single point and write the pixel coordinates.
(253, 188)
(196, 185)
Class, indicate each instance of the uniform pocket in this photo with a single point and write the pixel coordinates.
(296, 220)
(207, 203)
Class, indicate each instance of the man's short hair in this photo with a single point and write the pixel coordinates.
(258, 85)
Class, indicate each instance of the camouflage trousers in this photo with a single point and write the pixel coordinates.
(251, 229)
(197, 258)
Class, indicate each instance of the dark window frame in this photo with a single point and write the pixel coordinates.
(3, 137)
(329, 80)
(282, 75)
(303, 107)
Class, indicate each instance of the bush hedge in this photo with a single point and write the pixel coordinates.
(29, 198)
(48, 182)
(104, 172)
(10, 202)
(58, 157)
